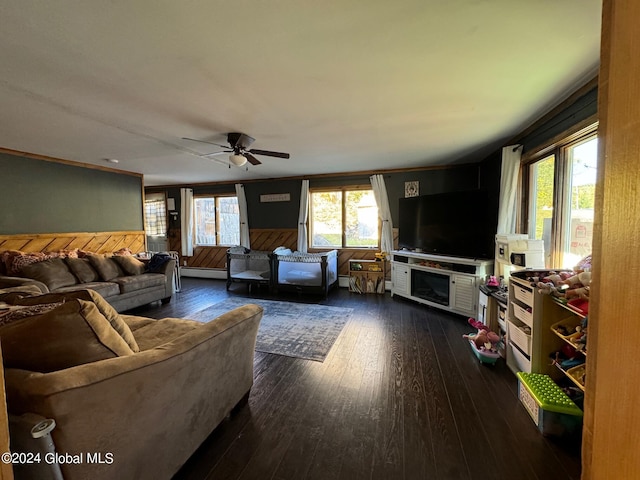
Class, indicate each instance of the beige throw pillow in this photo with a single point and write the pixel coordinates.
(104, 307)
(130, 265)
(73, 334)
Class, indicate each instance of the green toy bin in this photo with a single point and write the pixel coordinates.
(553, 412)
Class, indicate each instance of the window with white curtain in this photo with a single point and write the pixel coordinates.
(155, 215)
(216, 220)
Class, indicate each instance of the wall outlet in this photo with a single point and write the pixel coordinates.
(184, 263)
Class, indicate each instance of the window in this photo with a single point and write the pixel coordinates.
(541, 202)
(217, 220)
(155, 215)
(345, 217)
(560, 200)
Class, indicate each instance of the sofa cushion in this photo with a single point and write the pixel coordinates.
(130, 265)
(53, 272)
(103, 306)
(73, 334)
(106, 267)
(138, 282)
(82, 269)
(159, 332)
(135, 322)
(105, 289)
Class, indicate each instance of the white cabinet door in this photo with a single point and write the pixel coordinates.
(464, 294)
(400, 279)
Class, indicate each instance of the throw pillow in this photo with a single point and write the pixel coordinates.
(18, 262)
(73, 334)
(54, 273)
(14, 313)
(81, 268)
(130, 265)
(106, 267)
(103, 306)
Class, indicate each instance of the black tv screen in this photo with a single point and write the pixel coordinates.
(456, 224)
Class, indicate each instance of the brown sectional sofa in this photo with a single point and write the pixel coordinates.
(120, 279)
(143, 393)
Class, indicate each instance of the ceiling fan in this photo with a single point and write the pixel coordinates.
(239, 144)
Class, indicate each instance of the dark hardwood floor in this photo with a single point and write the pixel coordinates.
(400, 396)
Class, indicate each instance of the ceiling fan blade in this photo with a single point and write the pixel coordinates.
(202, 141)
(252, 160)
(268, 153)
(216, 153)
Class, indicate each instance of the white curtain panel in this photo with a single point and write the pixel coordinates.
(186, 221)
(244, 218)
(384, 212)
(507, 209)
(303, 216)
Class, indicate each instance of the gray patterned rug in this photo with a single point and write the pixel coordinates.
(298, 330)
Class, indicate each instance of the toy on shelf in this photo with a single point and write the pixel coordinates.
(484, 342)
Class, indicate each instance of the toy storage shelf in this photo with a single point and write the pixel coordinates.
(367, 276)
(529, 310)
(568, 324)
(544, 314)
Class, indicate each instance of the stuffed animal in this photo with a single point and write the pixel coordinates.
(478, 325)
(484, 340)
(578, 286)
(551, 284)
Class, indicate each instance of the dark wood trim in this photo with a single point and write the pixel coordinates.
(318, 175)
(72, 163)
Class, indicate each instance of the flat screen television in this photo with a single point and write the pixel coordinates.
(458, 224)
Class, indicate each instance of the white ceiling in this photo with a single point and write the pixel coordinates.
(341, 85)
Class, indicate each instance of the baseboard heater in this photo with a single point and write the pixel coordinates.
(203, 273)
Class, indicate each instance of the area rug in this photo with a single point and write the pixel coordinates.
(298, 330)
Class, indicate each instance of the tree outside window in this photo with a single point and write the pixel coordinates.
(561, 200)
(344, 218)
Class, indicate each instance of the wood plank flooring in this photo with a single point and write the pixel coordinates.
(400, 396)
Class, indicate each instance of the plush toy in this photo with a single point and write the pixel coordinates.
(478, 325)
(484, 339)
(578, 286)
(550, 285)
(581, 279)
(562, 283)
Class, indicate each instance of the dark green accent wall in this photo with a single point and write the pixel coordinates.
(265, 215)
(38, 196)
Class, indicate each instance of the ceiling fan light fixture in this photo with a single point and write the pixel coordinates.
(237, 160)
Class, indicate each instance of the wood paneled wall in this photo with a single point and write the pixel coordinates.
(99, 242)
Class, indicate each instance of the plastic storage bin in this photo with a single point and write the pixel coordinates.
(553, 412)
(518, 336)
(523, 294)
(522, 314)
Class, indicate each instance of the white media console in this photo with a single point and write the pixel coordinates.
(449, 283)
